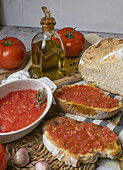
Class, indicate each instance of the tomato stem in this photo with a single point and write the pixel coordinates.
(70, 35)
(8, 43)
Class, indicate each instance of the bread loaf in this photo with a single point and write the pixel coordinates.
(87, 101)
(76, 142)
(102, 65)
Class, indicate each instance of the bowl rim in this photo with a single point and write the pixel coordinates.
(44, 113)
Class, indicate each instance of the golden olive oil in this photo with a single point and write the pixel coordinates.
(48, 51)
(48, 61)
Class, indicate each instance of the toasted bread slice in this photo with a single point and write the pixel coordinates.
(91, 103)
(78, 143)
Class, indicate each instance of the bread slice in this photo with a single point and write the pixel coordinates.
(73, 106)
(102, 64)
(73, 142)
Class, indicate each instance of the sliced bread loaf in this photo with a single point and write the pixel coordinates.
(102, 65)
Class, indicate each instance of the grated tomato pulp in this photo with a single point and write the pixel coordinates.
(87, 95)
(80, 137)
(18, 110)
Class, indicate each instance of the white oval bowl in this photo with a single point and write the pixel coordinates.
(23, 85)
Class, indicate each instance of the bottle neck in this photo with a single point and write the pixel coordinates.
(48, 28)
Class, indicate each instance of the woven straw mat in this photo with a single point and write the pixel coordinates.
(37, 151)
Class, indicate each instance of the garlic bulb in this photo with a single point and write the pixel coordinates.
(42, 166)
(21, 158)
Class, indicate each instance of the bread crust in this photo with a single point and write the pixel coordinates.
(102, 65)
(86, 111)
(76, 159)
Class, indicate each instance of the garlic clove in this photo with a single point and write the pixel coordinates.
(42, 166)
(21, 158)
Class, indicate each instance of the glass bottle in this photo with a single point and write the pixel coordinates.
(48, 51)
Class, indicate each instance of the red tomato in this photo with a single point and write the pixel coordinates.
(74, 41)
(12, 53)
(3, 158)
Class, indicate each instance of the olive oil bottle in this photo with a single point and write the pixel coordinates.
(48, 51)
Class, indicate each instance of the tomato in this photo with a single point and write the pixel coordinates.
(12, 53)
(74, 41)
(3, 158)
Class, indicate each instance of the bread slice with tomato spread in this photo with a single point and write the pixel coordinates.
(78, 143)
(87, 101)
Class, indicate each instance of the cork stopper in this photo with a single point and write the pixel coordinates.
(48, 21)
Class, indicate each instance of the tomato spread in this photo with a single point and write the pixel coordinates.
(80, 137)
(18, 109)
(87, 95)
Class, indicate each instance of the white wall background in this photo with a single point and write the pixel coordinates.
(86, 15)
